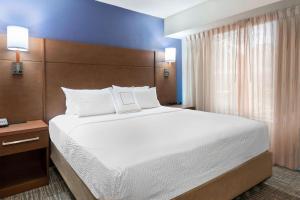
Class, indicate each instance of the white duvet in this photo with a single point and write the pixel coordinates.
(157, 153)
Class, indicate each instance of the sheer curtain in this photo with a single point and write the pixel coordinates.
(251, 69)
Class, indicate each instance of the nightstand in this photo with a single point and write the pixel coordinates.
(182, 106)
(24, 157)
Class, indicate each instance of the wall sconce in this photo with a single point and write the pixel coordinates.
(170, 57)
(17, 40)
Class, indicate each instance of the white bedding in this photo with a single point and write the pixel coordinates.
(157, 153)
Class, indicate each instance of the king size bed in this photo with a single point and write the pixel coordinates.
(157, 153)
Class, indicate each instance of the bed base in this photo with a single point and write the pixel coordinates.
(224, 187)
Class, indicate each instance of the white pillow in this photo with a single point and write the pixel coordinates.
(124, 100)
(79, 100)
(70, 95)
(147, 98)
(95, 104)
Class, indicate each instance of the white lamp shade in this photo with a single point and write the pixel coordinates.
(17, 38)
(170, 54)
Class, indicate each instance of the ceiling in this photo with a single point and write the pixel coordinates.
(158, 8)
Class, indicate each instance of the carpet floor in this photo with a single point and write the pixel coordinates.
(283, 185)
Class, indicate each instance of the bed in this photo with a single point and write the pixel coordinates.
(160, 153)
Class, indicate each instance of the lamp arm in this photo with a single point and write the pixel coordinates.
(17, 56)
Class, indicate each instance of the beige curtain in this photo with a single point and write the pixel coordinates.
(251, 69)
(286, 138)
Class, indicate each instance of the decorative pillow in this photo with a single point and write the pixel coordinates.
(124, 100)
(79, 99)
(147, 98)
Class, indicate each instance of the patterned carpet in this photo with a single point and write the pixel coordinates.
(283, 185)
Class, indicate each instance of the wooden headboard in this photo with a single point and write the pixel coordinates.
(76, 65)
(51, 64)
(21, 96)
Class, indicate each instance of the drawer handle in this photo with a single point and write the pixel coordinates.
(20, 141)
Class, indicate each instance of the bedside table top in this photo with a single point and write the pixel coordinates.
(181, 106)
(29, 126)
(176, 106)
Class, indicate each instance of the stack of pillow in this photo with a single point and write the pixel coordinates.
(109, 100)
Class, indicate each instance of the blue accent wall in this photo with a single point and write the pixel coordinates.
(90, 21)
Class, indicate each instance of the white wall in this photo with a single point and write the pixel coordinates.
(214, 13)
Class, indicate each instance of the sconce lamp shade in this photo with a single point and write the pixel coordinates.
(170, 54)
(17, 38)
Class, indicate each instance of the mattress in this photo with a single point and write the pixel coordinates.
(157, 153)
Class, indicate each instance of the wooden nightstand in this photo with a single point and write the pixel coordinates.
(24, 157)
(181, 106)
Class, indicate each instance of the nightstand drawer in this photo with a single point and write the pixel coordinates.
(12, 144)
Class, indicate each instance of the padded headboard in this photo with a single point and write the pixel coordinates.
(77, 65)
